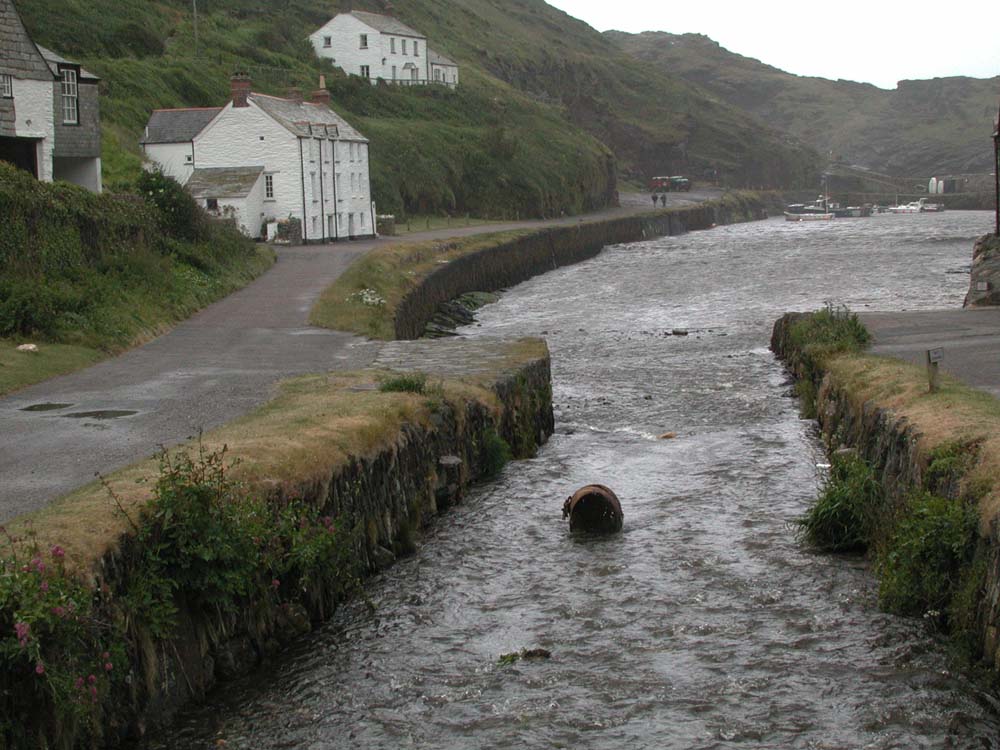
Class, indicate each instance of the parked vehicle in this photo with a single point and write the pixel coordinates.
(675, 184)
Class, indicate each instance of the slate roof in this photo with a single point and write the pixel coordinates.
(436, 58)
(18, 54)
(386, 24)
(223, 182)
(177, 125)
(306, 119)
(55, 60)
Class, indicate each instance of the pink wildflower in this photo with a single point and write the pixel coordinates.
(276, 584)
(79, 683)
(108, 666)
(91, 679)
(58, 552)
(39, 669)
(93, 694)
(44, 587)
(23, 632)
(59, 612)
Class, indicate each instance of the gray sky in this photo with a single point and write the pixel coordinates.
(872, 41)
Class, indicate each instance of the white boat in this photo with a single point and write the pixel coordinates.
(815, 211)
(907, 208)
(808, 217)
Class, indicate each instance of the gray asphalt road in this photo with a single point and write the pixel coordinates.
(970, 339)
(209, 370)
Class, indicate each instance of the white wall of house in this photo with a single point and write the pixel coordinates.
(35, 118)
(445, 73)
(247, 211)
(354, 217)
(245, 136)
(85, 172)
(175, 159)
(346, 52)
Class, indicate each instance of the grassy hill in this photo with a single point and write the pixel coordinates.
(525, 133)
(921, 128)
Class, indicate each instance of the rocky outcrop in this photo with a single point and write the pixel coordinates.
(984, 283)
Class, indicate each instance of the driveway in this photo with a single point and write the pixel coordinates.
(210, 369)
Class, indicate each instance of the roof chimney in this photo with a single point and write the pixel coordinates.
(321, 95)
(295, 94)
(240, 87)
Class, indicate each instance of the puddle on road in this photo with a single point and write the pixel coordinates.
(46, 407)
(102, 414)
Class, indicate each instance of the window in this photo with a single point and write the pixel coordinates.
(394, 72)
(212, 204)
(364, 41)
(404, 46)
(7, 86)
(392, 45)
(437, 74)
(70, 97)
(188, 159)
(416, 49)
(327, 41)
(366, 71)
(269, 186)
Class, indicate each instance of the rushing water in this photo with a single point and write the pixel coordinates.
(704, 624)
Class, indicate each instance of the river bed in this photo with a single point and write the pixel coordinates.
(705, 624)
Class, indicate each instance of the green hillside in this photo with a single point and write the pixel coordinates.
(921, 128)
(525, 132)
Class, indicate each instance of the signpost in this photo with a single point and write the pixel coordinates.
(934, 356)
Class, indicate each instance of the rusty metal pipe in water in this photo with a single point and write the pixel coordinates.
(594, 508)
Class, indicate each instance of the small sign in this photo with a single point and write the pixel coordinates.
(982, 286)
(935, 355)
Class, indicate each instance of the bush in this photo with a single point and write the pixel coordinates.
(928, 557)
(179, 215)
(496, 454)
(843, 516)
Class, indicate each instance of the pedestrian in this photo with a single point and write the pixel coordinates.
(655, 198)
(663, 199)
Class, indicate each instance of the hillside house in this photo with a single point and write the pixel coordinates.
(261, 159)
(380, 47)
(50, 123)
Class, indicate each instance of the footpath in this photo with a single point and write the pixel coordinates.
(218, 365)
(970, 339)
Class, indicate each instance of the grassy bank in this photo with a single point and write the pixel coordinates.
(84, 276)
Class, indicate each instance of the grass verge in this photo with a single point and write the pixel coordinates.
(21, 369)
(364, 299)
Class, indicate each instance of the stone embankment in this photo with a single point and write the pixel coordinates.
(511, 262)
(984, 284)
(478, 396)
(899, 451)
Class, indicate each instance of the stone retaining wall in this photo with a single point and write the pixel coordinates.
(891, 446)
(510, 263)
(984, 282)
(385, 499)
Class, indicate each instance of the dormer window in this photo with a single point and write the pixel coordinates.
(364, 41)
(328, 41)
(70, 97)
(6, 86)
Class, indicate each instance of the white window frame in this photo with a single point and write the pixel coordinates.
(363, 42)
(269, 187)
(392, 45)
(366, 71)
(6, 86)
(404, 46)
(416, 48)
(328, 41)
(70, 89)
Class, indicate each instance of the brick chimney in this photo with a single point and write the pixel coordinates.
(321, 95)
(295, 94)
(240, 87)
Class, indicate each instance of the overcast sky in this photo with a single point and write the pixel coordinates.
(879, 42)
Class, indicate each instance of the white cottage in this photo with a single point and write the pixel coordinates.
(380, 47)
(49, 109)
(262, 159)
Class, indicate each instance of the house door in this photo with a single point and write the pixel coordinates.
(21, 152)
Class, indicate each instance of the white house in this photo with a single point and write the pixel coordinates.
(379, 47)
(261, 159)
(49, 109)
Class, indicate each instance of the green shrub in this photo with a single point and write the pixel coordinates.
(948, 464)
(843, 517)
(178, 213)
(928, 556)
(817, 336)
(496, 454)
(408, 383)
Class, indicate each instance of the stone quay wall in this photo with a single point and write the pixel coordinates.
(984, 282)
(891, 445)
(514, 261)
